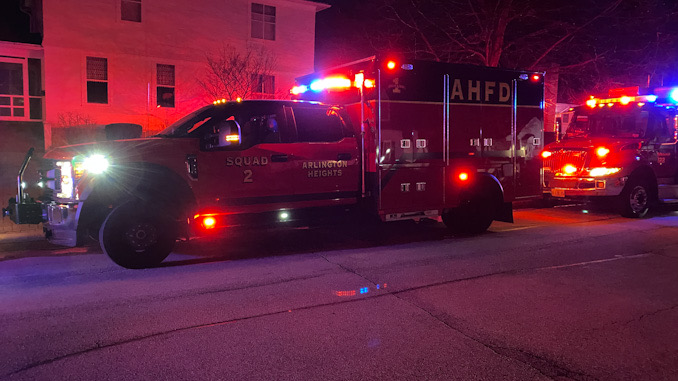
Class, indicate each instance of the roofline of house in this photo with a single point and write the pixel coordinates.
(318, 5)
(21, 50)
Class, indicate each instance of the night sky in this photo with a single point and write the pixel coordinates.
(344, 33)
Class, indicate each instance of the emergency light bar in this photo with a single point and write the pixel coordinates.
(623, 100)
(627, 95)
(334, 83)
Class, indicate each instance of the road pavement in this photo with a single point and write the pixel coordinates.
(564, 293)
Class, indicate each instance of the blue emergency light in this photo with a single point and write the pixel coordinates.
(673, 95)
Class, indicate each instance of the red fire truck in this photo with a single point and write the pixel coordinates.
(620, 147)
(392, 139)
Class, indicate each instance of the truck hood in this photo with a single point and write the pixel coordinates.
(143, 149)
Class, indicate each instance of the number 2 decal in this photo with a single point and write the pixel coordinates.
(248, 176)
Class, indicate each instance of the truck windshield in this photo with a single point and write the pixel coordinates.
(608, 123)
(183, 127)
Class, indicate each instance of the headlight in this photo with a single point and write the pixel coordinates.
(65, 187)
(603, 171)
(95, 164)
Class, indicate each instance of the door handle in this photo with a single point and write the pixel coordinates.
(278, 158)
(344, 156)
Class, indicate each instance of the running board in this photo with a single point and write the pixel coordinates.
(432, 214)
(668, 193)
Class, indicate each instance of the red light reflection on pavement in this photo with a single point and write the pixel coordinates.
(362, 290)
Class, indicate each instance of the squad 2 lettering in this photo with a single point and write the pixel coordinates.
(246, 161)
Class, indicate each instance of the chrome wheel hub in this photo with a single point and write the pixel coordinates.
(141, 235)
(638, 199)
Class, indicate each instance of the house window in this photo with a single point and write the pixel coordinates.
(263, 21)
(130, 10)
(263, 86)
(165, 88)
(97, 80)
(12, 102)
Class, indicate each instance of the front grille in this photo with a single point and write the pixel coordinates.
(560, 158)
(50, 176)
(47, 195)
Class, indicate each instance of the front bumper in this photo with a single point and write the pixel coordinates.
(61, 223)
(580, 187)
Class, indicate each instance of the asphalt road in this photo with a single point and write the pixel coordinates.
(564, 293)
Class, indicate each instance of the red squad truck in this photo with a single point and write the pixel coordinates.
(620, 147)
(379, 137)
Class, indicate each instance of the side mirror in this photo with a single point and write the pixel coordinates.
(226, 134)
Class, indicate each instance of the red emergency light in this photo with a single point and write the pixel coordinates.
(601, 152)
(623, 91)
(209, 222)
(535, 77)
(391, 65)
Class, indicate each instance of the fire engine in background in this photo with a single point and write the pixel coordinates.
(622, 146)
(398, 140)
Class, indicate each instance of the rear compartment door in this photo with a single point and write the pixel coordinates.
(412, 136)
(529, 142)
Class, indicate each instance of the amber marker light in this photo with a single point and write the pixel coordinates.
(591, 102)
(602, 152)
(359, 80)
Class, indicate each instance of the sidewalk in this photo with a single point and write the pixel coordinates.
(16, 238)
(9, 231)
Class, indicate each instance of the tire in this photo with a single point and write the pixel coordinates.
(635, 198)
(472, 217)
(136, 236)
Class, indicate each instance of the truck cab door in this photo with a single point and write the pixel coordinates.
(660, 144)
(241, 166)
(323, 157)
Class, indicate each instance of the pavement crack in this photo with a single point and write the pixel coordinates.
(98, 345)
(545, 367)
(468, 336)
(646, 315)
(347, 269)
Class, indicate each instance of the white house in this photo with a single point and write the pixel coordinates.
(139, 61)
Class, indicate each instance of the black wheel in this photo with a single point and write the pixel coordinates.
(635, 198)
(473, 216)
(137, 236)
(547, 201)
